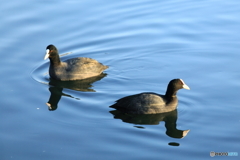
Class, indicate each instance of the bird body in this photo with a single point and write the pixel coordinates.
(146, 103)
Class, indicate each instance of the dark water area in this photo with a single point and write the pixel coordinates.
(145, 43)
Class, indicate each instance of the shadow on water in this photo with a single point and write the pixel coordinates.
(170, 119)
(56, 88)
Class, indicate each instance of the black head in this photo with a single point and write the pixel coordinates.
(174, 85)
(178, 84)
(51, 47)
(51, 51)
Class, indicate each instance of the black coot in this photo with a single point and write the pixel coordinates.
(152, 103)
(72, 69)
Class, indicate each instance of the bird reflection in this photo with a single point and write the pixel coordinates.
(56, 88)
(170, 119)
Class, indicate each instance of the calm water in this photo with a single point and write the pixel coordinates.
(145, 43)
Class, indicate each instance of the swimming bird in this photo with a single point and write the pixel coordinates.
(152, 103)
(72, 69)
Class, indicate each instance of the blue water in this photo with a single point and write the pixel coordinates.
(145, 43)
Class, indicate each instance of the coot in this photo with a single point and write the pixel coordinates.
(151, 103)
(72, 69)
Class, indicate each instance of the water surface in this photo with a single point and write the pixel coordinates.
(145, 43)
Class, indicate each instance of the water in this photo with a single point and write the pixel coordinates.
(145, 44)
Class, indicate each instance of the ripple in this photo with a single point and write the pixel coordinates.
(40, 73)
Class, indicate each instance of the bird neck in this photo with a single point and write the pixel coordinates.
(171, 92)
(55, 60)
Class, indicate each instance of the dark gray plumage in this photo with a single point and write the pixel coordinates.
(72, 69)
(151, 103)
